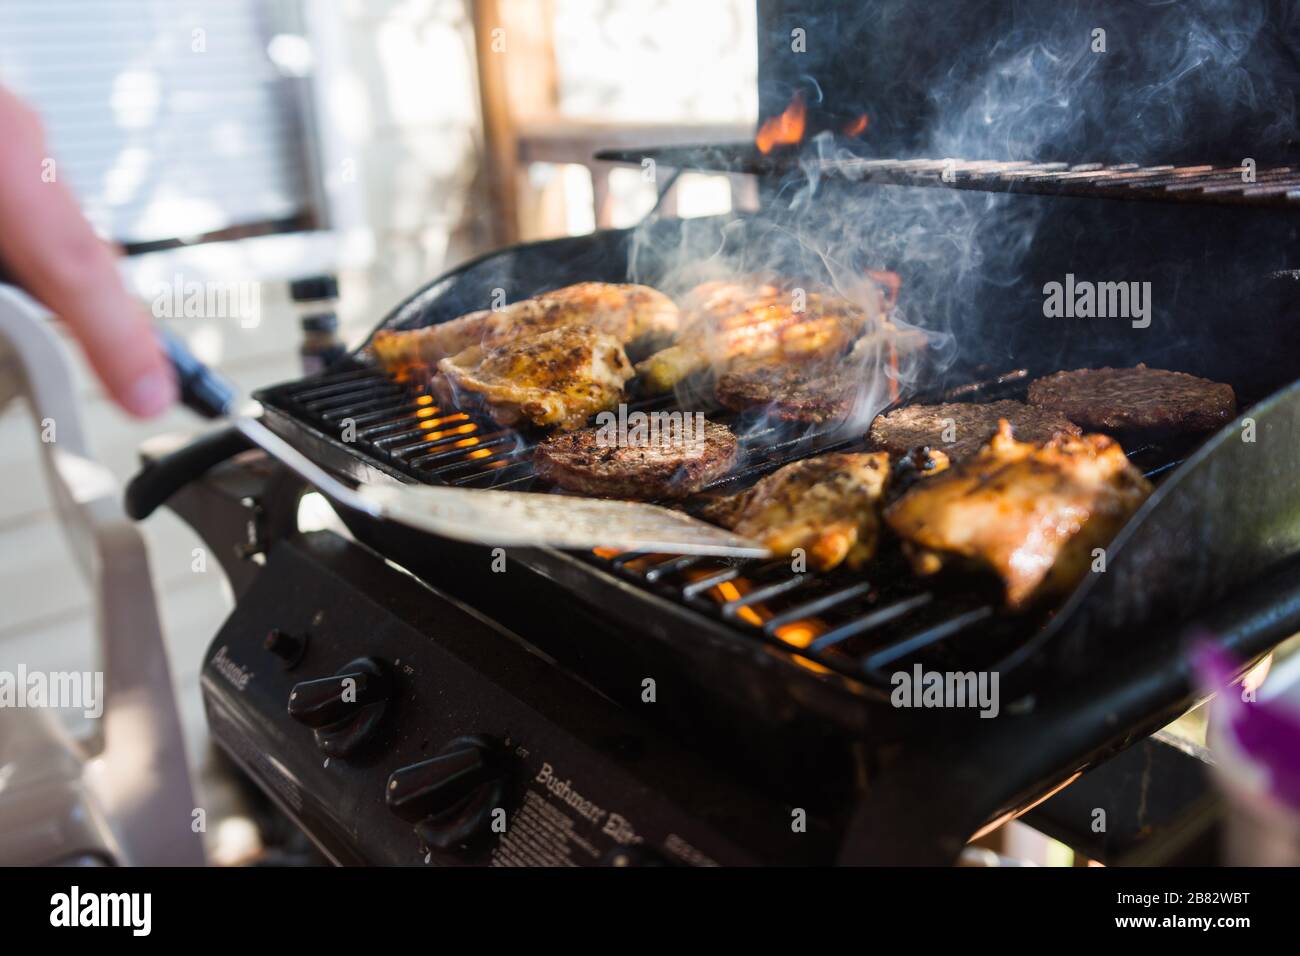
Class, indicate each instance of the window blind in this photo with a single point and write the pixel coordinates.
(167, 118)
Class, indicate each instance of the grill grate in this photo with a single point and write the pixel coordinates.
(855, 624)
(1222, 185)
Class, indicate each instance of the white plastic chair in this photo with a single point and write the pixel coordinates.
(124, 795)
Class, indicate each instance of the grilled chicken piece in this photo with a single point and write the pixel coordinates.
(1030, 513)
(625, 312)
(827, 505)
(560, 377)
(753, 319)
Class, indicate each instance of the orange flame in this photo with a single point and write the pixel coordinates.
(783, 130)
(858, 126)
(890, 283)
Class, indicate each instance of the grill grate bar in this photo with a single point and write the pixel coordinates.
(351, 392)
(1206, 183)
(489, 468)
(931, 635)
(345, 382)
(1271, 186)
(763, 594)
(1161, 469)
(499, 476)
(455, 427)
(620, 560)
(458, 446)
(815, 607)
(390, 431)
(696, 588)
(472, 455)
(394, 416)
(672, 566)
(349, 410)
(872, 621)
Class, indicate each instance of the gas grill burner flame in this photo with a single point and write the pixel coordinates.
(786, 129)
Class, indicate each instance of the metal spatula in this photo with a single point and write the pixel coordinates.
(513, 517)
(494, 518)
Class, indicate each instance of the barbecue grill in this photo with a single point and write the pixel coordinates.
(709, 699)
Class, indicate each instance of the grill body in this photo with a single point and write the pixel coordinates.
(669, 614)
(779, 680)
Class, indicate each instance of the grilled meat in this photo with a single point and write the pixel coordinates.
(1136, 399)
(676, 463)
(828, 506)
(968, 426)
(626, 312)
(819, 390)
(814, 392)
(1031, 513)
(561, 377)
(753, 319)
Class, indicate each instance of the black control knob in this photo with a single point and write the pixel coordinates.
(288, 647)
(452, 797)
(345, 709)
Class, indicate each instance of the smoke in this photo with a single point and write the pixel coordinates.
(1146, 82)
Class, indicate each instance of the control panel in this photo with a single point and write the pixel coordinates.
(397, 726)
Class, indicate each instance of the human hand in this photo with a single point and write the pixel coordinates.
(52, 252)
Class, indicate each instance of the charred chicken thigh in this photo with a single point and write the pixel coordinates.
(625, 312)
(560, 377)
(828, 505)
(1031, 513)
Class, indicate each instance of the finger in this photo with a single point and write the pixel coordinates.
(54, 254)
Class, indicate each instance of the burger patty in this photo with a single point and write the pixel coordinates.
(663, 466)
(798, 392)
(969, 426)
(1136, 399)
